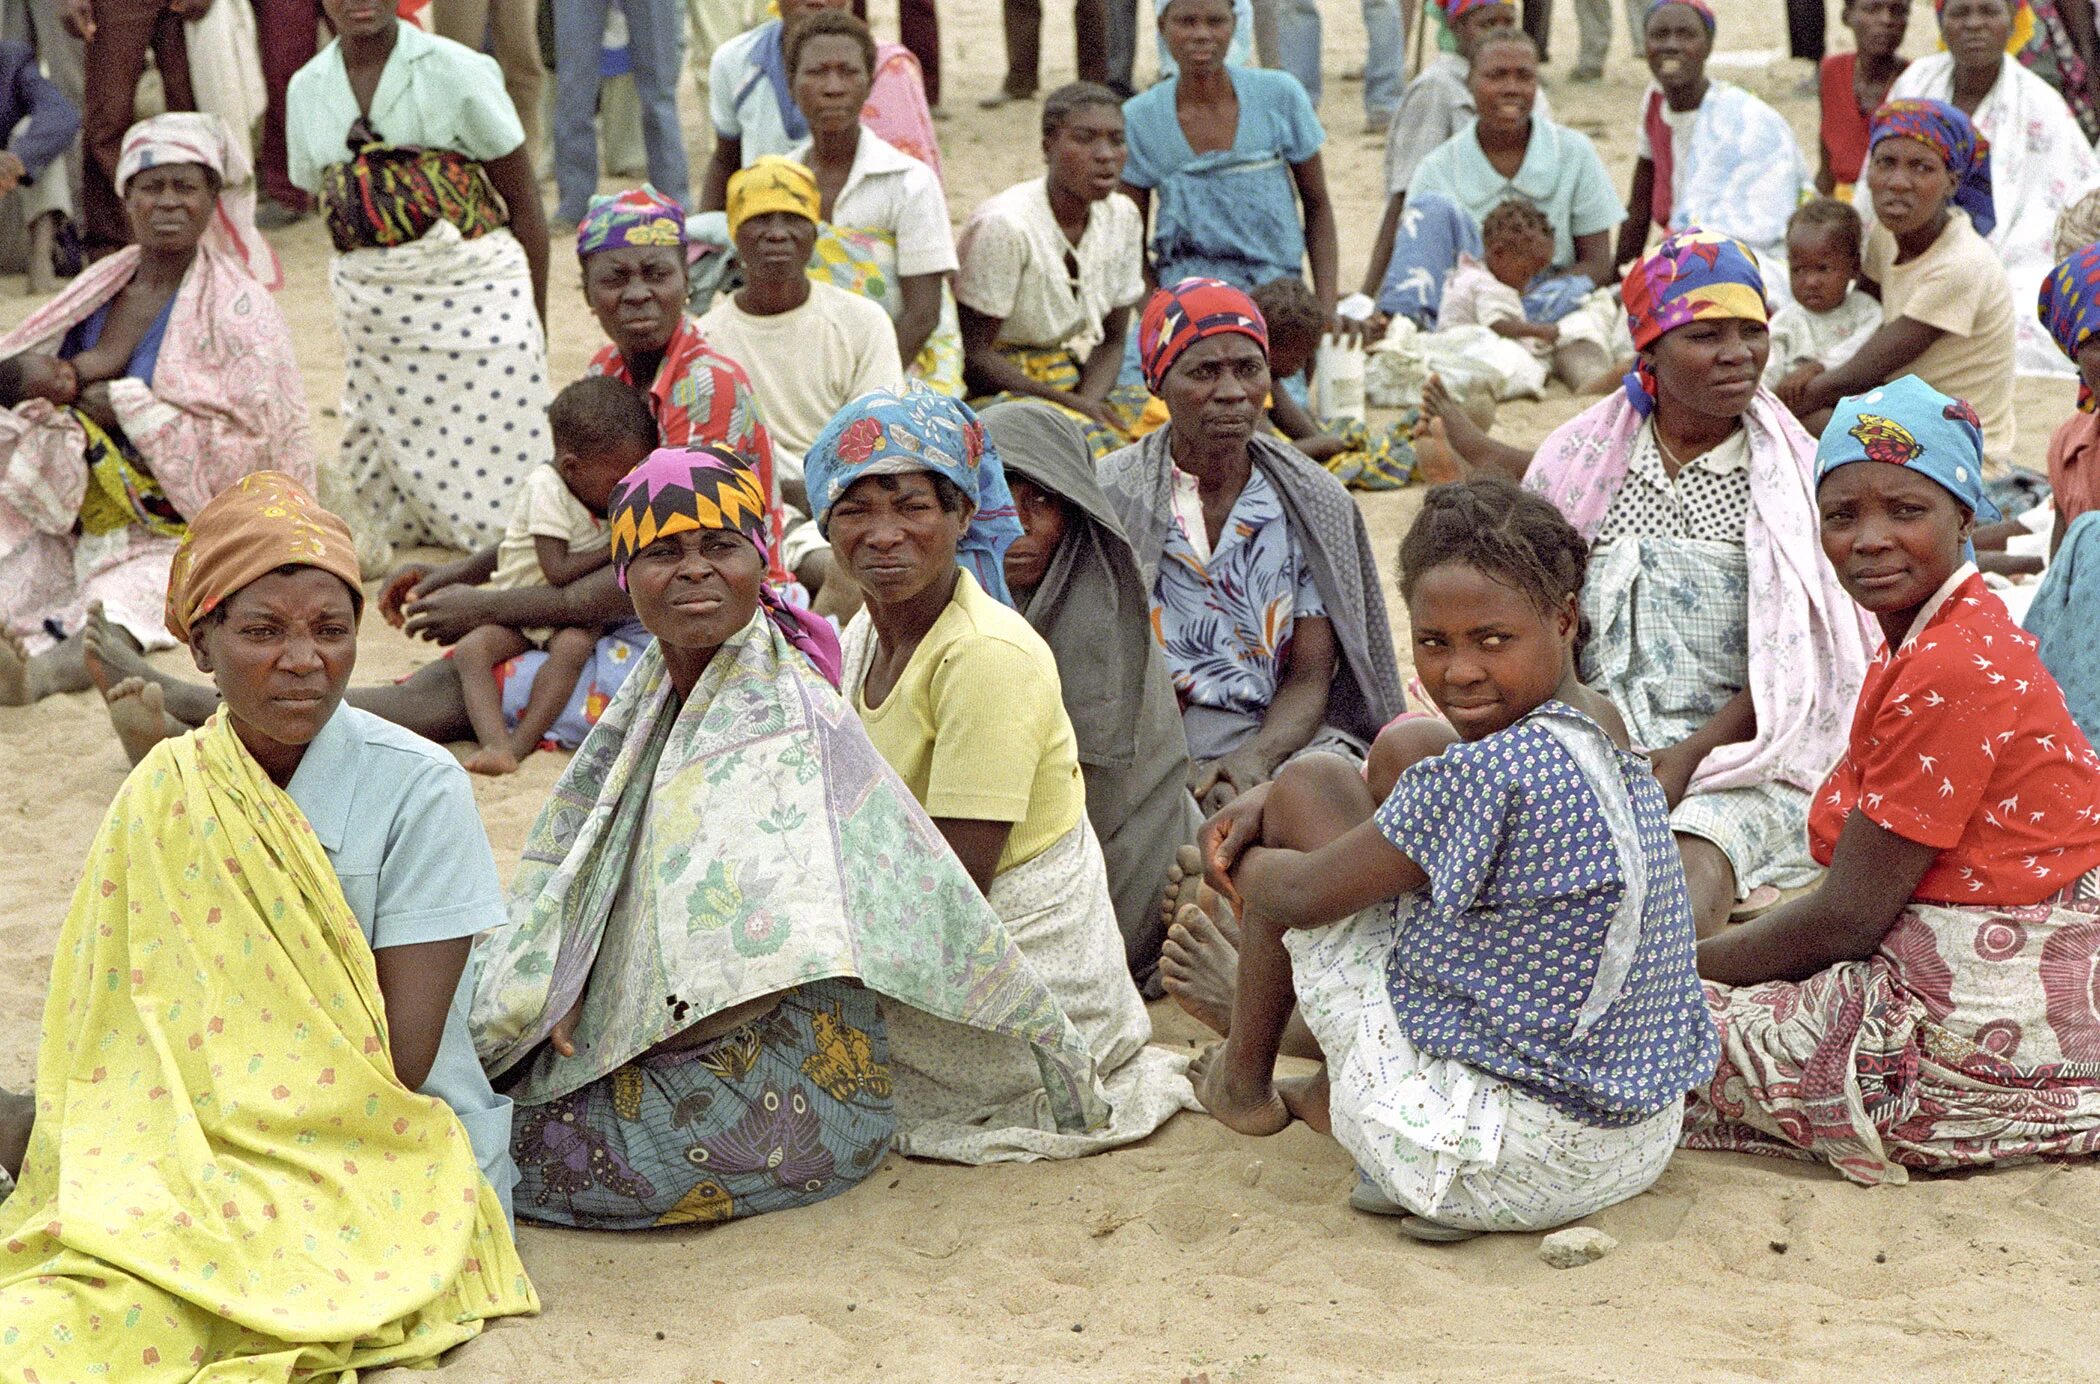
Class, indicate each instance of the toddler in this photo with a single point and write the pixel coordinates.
(1829, 319)
(34, 375)
(1359, 457)
(1516, 248)
(1496, 960)
(602, 430)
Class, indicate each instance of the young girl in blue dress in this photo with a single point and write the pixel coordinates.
(1496, 959)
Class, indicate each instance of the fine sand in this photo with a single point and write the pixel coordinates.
(1198, 1255)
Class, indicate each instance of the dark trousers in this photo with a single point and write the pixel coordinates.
(1119, 21)
(1538, 22)
(286, 31)
(1024, 42)
(124, 31)
(919, 29)
(1804, 28)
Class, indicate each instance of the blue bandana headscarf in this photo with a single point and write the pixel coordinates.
(2069, 306)
(1909, 423)
(887, 434)
(1945, 130)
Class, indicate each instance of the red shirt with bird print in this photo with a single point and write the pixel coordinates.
(1961, 741)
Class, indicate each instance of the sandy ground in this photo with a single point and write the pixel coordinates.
(1199, 1254)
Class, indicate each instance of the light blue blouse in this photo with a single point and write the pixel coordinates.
(1561, 175)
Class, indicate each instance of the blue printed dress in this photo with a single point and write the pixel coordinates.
(1509, 1046)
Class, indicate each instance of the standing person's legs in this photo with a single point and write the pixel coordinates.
(1023, 23)
(124, 29)
(579, 33)
(1268, 47)
(656, 47)
(1804, 28)
(1090, 40)
(1593, 30)
(1538, 22)
(1385, 58)
(287, 31)
(64, 57)
(919, 29)
(1298, 43)
(1637, 27)
(505, 28)
(1120, 28)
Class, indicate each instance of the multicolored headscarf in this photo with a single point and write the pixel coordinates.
(1693, 276)
(640, 216)
(678, 489)
(195, 137)
(773, 183)
(263, 521)
(2069, 306)
(1459, 9)
(1698, 7)
(1177, 318)
(1909, 423)
(887, 434)
(1946, 131)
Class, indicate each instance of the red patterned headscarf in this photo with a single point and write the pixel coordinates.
(1178, 317)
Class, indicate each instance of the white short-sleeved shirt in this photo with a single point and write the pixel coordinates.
(544, 509)
(889, 190)
(396, 816)
(807, 364)
(1013, 267)
(740, 98)
(433, 92)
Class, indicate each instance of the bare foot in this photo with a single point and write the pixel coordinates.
(1186, 886)
(494, 761)
(14, 672)
(1467, 441)
(1435, 462)
(1249, 1107)
(111, 656)
(138, 713)
(1199, 966)
(17, 1116)
(1306, 1098)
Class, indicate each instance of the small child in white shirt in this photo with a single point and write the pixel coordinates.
(1829, 319)
(602, 429)
(1516, 243)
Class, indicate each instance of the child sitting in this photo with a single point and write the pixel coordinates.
(1347, 447)
(602, 429)
(1497, 961)
(1829, 319)
(1516, 247)
(120, 491)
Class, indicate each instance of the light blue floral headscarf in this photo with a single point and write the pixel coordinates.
(889, 434)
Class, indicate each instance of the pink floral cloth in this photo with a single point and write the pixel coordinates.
(1809, 642)
(1971, 1037)
(896, 107)
(226, 399)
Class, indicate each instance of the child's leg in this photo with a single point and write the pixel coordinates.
(1315, 799)
(476, 657)
(568, 654)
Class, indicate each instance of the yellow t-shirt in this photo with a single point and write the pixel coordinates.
(976, 726)
(1958, 286)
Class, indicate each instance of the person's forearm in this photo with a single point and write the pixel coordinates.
(1098, 375)
(1382, 248)
(573, 566)
(1735, 722)
(920, 315)
(989, 372)
(1293, 421)
(714, 186)
(588, 601)
(1293, 719)
(1794, 942)
(1321, 244)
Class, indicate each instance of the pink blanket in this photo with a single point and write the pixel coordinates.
(1809, 642)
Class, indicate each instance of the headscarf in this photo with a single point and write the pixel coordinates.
(1909, 423)
(773, 183)
(891, 434)
(677, 489)
(1177, 318)
(1944, 129)
(640, 216)
(1698, 7)
(264, 521)
(194, 137)
(1693, 276)
(1459, 9)
(2069, 306)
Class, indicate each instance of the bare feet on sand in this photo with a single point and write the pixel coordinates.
(494, 761)
(1306, 1098)
(138, 713)
(1199, 964)
(17, 1116)
(1185, 886)
(14, 671)
(1459, 432)
(1435, 462)
(1249, 1107)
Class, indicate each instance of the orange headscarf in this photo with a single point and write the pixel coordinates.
(264, 521)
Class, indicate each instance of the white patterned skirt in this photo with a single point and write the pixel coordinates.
(1444, 1139)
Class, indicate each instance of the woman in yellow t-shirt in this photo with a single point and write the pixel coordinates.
(960, 694)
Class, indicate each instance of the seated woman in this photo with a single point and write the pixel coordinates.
(440, 273)
(185, 363)
(1050, 271)
(1073, 575)
(1265, 596)
(1233, 156)
(1712, 156)
(963, 699)
(1490, 946)
(1511, 150)
(285, 1078)
(2039, 160)
(752, 103)
(883, 231)
(1732, 652)
(2069, 308)
(805, 1034)
(1946, 307)
(1930, 1005)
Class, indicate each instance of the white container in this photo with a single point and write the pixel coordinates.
(1338, 379)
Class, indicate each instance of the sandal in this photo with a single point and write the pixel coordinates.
(1435, 1232)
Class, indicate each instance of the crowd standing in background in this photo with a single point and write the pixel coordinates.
(964, 629)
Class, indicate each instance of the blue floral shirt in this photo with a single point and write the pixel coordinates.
(1223, 616)
(1504, 947)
